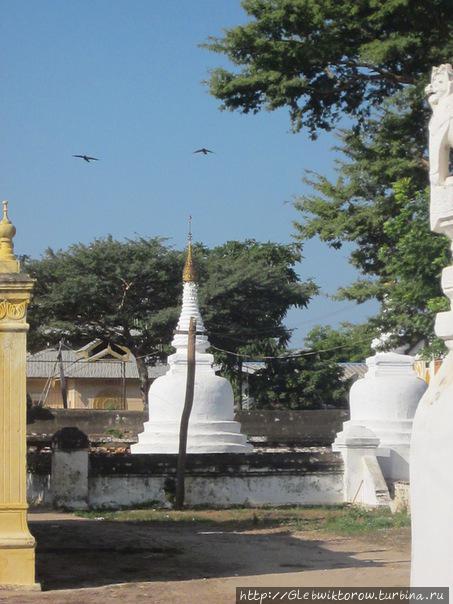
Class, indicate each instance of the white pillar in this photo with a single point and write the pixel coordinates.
(432, 439)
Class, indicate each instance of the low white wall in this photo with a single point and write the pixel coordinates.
(308, 478)
(220, 491)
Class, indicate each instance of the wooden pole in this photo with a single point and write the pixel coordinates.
(63, 387)
(184, 426)
(124, 391)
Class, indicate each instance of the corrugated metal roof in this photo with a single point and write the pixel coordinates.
(44, 364)
(253, 366)
(353, 370)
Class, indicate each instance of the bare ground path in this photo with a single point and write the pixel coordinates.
(88, 561)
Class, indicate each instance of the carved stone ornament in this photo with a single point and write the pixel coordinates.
(440, 97)
(13, 309)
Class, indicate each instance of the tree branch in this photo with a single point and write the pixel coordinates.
(384, 73)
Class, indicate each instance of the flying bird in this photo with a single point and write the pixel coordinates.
(204, 151)
(87, 158)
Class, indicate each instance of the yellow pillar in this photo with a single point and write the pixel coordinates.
(17, 545)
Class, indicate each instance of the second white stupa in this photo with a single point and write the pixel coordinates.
(212, 428)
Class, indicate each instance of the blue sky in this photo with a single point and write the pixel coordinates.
(123, 81)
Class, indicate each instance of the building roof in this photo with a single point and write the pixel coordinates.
(44, 364)
(252, 366)
(350, 370)
(353, 370)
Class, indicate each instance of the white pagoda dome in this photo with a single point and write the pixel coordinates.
(212, 428)
(384, 401)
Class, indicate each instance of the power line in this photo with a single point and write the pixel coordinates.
(230, 352)
(292, 356)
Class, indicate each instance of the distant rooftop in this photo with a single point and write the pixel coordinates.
(96, 362)
(353, 370)
(44, 364)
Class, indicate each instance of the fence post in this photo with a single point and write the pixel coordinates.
(69, 476)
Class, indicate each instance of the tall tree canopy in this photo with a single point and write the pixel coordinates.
(367, 61)
(123, 292)
(305, 382)
(350, 343)
(129, 292)
(246, 291)
(323, 59)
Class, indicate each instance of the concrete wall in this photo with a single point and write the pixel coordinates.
(36, 387)
(92, 422)
(220, 480)
(307, 428)
(303, 428)
(83, 392)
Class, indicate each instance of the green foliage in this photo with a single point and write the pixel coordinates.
(413, 259)
(104, 290)
(246, 290)
(323, 59)
(339, 520)
(115, 433)
(368, 61)
(349, 343)
(380, 203)
(313, 381)
(130, 292)
(356, 206)
(401, 257)
(306, 382)
(355, 520)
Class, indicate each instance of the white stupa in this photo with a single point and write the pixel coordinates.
(212, 428)
(384, 401)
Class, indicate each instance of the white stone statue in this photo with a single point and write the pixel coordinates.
(431, 475)
(440, 98)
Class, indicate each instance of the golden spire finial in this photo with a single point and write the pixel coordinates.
(8, 261)
(189, 274)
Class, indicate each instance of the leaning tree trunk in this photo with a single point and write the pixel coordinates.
(144, 380)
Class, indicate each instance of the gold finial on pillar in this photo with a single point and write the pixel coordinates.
(189, 274)
(8, 261)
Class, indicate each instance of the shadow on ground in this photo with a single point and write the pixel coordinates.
(90, 553)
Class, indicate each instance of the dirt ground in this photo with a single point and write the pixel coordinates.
(86, 561)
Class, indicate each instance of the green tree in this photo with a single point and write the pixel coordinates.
(367, 61)
(348, 343)
(412, 259)
(123, 292)
(246, 290)
(324, 59)
(314, 379)
(129, 293)
(305, 382)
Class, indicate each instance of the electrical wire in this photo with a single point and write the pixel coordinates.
(251, 357)
(290, 356)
